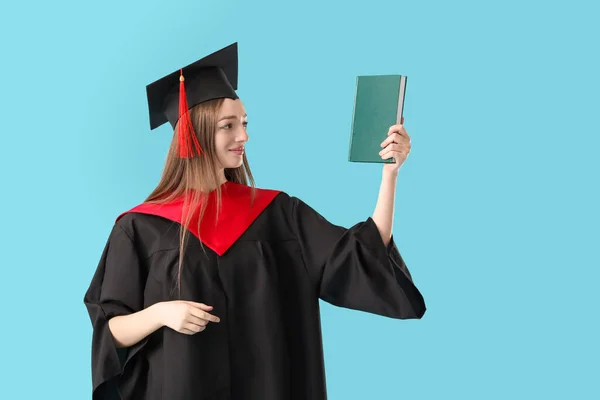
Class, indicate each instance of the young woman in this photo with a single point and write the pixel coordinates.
(210, 288)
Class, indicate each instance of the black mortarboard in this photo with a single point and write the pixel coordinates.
(212, 77)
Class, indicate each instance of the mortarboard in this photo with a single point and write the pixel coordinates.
(170, 98)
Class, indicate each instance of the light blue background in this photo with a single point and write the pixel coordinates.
(497, 206)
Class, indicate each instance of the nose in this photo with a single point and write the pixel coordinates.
(242, 135)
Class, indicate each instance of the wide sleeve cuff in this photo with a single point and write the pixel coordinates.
(364, 274)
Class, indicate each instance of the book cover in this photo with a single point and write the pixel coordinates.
(378, 104)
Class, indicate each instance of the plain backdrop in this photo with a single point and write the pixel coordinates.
(497, 205)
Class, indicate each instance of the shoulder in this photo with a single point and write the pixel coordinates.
(293, 209)
(280, 198)
(127, 222)
(142, 218)
(131, 223)
(268, 197)
(235, 189)
(146, 233)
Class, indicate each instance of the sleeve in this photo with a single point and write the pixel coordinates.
(352, 267)
(117, 288)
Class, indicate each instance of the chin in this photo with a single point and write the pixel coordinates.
(231, 164)
(234, 166)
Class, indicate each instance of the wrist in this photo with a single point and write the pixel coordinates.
(157, 314)
(390, 174)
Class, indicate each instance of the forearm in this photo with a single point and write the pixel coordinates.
(128, 330)
(383, 216)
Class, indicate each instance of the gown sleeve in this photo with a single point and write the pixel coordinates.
(117, 288)
(352, 267)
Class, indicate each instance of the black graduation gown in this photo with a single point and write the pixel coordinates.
(265, 288)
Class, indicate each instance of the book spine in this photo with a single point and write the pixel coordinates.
(401, 93)
(353, 119)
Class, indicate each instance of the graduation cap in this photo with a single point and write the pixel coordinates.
(170, 98)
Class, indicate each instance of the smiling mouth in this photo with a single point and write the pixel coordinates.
(238, 150)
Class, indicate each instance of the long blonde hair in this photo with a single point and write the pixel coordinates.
(181, 176)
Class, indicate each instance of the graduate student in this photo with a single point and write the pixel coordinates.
(210, 288)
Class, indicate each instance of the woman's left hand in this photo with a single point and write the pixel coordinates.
(396, 145)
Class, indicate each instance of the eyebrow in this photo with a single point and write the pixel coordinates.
(232, 117)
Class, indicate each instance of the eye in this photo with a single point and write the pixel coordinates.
(245, 123)
(227, 126)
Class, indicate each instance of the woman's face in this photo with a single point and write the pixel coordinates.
(231, 136)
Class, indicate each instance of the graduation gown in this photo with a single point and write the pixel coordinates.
(263, 269)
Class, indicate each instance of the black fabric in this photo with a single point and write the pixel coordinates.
(266, 290)
(211, 77)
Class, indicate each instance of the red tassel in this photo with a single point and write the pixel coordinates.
(186, 134)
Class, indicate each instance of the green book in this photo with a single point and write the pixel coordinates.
(378, 104)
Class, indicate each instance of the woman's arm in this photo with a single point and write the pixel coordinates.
(186, 317)
(384, 210)
(396, 145)
(128, 330)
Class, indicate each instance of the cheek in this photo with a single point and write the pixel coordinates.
(220, 143)
(221, 147)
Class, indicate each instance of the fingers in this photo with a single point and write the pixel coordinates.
(204, 315)
(399, 129)
(395, 147)
(200, 311)
(388, 140)
(193, 325)
(201, 306)
(396, 154)
(395, 136)
(194, 328)
(196, 320)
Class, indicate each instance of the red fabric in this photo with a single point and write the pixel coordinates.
(186, 134)
(235, 216)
